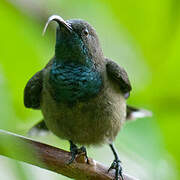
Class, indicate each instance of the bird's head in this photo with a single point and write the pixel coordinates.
(76, 41)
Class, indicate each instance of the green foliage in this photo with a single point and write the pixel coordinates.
(143, 36)
(155, 27)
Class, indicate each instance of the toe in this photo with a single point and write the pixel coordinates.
(83, 149)
(118, 169)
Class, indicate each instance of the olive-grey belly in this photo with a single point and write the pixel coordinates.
(94, 122)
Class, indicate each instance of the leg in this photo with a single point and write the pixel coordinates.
(75, 151)
(116, 164)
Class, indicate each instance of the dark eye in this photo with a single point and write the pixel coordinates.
(86, 32)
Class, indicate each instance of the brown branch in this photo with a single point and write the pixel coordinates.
(52, 158)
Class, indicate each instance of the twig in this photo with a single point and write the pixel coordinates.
(52, 158)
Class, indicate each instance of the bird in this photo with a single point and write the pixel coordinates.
(81, 93)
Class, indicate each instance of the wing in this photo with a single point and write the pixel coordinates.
(32, 91)
(119, 75)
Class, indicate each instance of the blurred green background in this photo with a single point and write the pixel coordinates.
(142, 36)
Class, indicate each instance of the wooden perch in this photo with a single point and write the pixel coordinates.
(52, 158)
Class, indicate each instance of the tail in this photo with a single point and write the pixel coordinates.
(40, 129)
(134, 113)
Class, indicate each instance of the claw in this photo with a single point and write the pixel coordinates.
(75, 151)
(83, 150)
(117, 166)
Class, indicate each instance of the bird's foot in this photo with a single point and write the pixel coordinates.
(83, 150)
(77, 151)
(117, 166)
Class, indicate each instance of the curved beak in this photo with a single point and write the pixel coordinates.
(59, 20)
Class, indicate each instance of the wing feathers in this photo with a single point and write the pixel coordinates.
(120, 76)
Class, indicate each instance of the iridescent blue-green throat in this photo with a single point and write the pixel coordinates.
(73, 82)
(77, 79)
